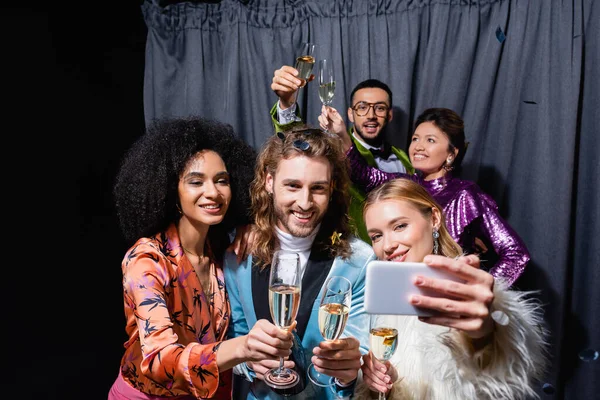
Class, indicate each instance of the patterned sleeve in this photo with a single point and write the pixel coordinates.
(173, 365)
(365, 176)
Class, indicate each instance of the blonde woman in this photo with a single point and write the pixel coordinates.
(488, 341)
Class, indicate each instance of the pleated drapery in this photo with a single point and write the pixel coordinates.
(524, 74)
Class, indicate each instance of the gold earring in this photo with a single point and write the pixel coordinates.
(448, 165)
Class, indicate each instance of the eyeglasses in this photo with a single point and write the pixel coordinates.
(300, 144)
(362, 108)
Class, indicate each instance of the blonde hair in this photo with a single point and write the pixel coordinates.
(406, 190)
(335, 223)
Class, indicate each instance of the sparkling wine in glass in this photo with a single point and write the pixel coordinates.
(305, 62)
(383, 338)
(284, 300)
(326, 82)
(335, 305)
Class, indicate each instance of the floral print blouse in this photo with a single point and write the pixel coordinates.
(174, 330)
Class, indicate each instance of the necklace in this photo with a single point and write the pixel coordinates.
(205, 283)
(191, 252)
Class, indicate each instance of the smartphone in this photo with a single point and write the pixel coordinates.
(389, 285)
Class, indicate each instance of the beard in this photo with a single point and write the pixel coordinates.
(286, 219)
(374, 141)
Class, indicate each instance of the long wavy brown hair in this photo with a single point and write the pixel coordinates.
(413, 193)
(335, 231)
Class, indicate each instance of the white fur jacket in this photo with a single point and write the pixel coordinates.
(438, 363)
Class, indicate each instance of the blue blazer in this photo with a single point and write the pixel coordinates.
(248, 295)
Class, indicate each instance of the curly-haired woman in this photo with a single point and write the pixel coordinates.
(180, 191)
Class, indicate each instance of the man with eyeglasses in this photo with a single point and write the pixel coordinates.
(369, 114)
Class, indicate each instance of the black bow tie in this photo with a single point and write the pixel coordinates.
(382, 153)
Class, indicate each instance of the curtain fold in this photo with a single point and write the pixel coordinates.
(581, 340)
(523, 74)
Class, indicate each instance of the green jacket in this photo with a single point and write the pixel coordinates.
(357, 195)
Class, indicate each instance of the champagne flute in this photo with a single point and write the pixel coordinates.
(305, 62)
(383, 338)
(335, 305)
(326, 82)
(284, 300)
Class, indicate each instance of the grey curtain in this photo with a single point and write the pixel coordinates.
(523, 74)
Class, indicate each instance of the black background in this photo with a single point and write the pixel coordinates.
(73, 104)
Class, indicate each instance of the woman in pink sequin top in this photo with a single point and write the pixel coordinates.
(437, 147)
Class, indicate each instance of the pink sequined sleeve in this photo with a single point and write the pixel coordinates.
(466, 206)
(512, 253)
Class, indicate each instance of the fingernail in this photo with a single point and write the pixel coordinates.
(415, 300)
(427, 259)
(419, 280)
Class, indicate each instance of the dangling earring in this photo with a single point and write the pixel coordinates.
(179, 209)
(436, 243)
(448, 165)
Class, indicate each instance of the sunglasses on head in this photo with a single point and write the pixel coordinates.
(300, 144)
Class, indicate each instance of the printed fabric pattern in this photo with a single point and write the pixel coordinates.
(174, 329)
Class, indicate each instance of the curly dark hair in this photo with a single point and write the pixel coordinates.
(145, 189)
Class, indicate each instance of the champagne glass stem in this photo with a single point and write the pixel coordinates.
(381, 396)
(280, 365)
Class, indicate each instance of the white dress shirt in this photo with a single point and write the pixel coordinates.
(392, 164)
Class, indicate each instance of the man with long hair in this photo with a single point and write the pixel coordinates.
(300, 203)
(369, 112)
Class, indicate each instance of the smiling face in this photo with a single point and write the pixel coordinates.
(204, 189)
(301, 190)
(399, 231)
(430, 150)
(370, 126)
